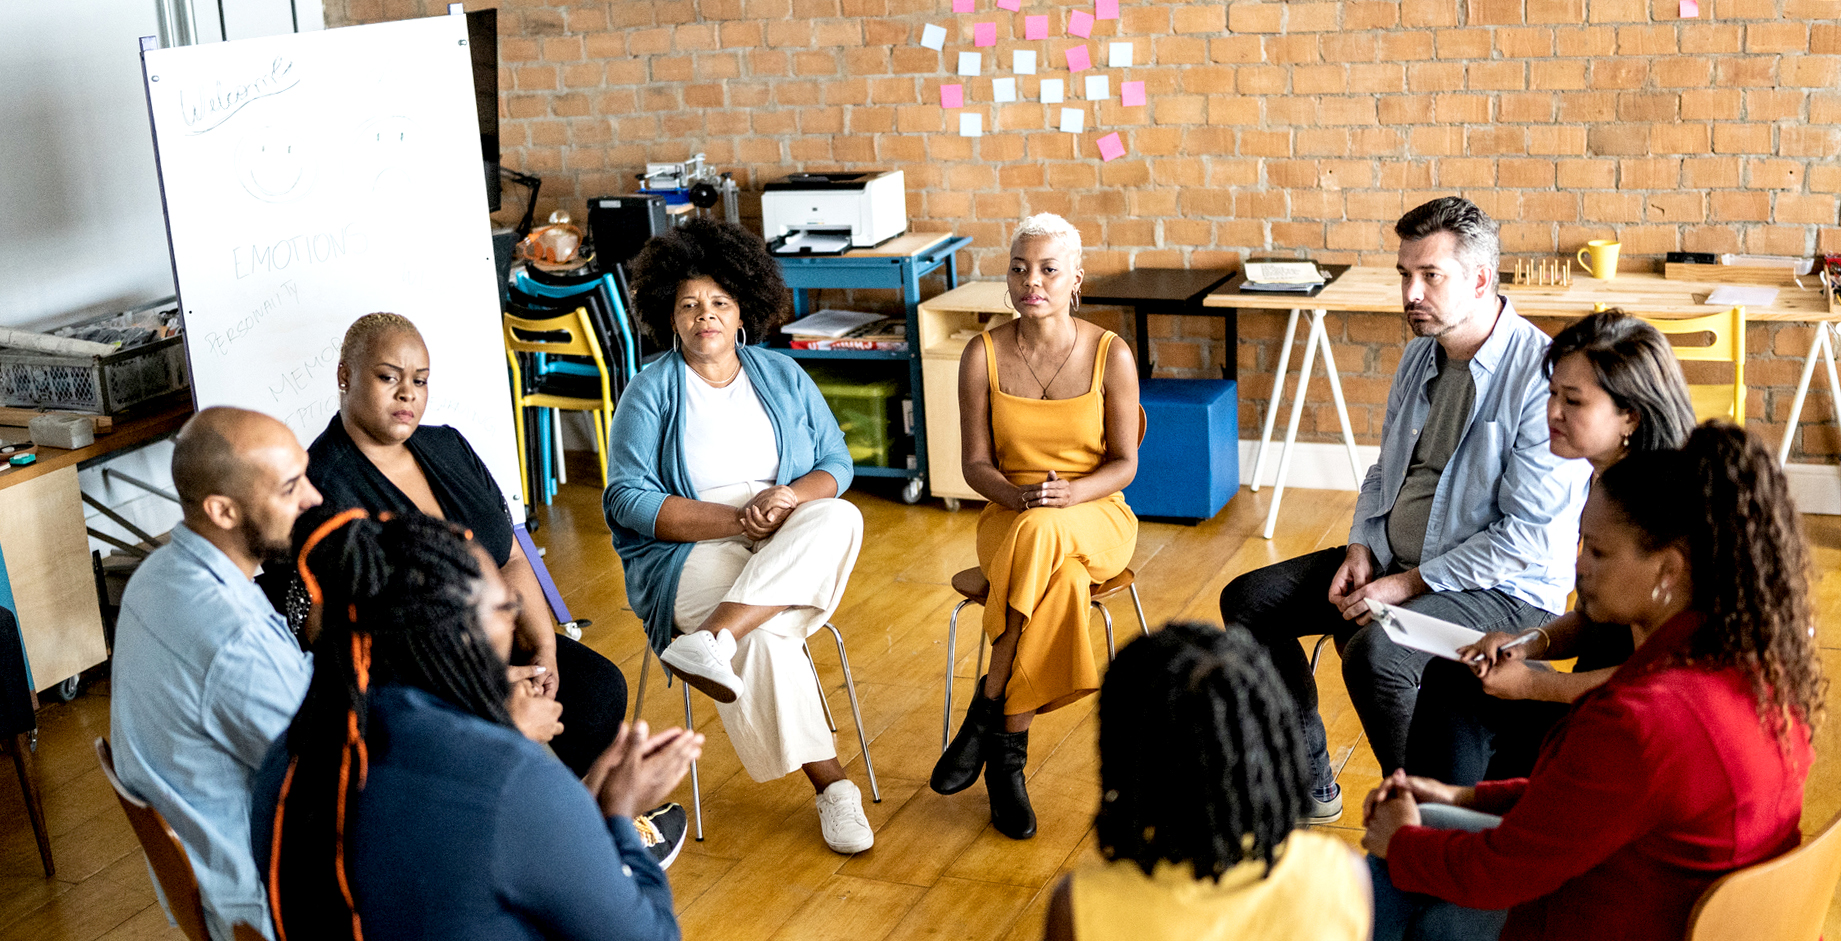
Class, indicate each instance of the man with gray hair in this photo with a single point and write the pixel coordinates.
(1467, 517)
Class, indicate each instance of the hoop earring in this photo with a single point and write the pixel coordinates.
(744, 335)
(1007, 305)
(674, 341)
(1075, 307)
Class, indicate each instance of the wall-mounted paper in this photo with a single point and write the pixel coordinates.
(1072, 120)
(1110, 147)
(962, 6)
(1131, 94)
(1118, 55)
(1099, 87)
(1023, 61)
(1051, 91)
(1035, 27)
(984, 34)
(971, 124)
(1106, 10)
(933, 37)
(1690, 9)
(1011, 5)
(1079, 60)
(1080, 23)
(970, 62)
(952, 96)
(1003, 90)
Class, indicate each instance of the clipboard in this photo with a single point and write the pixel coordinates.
(1422, 632)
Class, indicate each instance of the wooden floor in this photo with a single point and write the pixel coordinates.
(938, 870)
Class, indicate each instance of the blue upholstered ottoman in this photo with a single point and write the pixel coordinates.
(1189, 463)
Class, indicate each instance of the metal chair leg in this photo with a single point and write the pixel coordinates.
(1143, 624)
(952, 636)
(856, 712)
(821, 687)
(1106, 616)
(696, 787)
(1317, 652)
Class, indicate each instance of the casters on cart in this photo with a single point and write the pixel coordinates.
(911, 492)
(952, 504)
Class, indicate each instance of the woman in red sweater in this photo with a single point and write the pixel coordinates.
(1687, 764)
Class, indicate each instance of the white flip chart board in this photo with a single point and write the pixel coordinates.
(313, 178)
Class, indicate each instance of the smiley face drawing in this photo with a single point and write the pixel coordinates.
(274, 165)
(386, 149)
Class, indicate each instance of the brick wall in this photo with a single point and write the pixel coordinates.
(1290, 125)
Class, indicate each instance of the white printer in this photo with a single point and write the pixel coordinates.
(828, 213)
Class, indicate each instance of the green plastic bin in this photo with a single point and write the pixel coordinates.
(862, 410)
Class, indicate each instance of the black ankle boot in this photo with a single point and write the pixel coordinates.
(1005, 755)
(960, 763)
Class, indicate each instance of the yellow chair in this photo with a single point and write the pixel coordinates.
(1781, 899)
(567, 335)
(1728, 346)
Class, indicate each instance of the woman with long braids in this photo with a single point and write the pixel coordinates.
(402, 802)
(1048, 431)
(1202, 774)
(1686, 765)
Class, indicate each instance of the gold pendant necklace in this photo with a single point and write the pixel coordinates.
(1032, 370)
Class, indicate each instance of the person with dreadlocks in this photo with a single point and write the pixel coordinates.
(1203, 773)
(1688, 763)
(404, 804)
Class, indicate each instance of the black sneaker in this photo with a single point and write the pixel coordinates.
(662, 830)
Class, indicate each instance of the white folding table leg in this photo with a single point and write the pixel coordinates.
(1297, 412)
(1823, 348)
(1278, 396)
(556, 429)
(1342, 408)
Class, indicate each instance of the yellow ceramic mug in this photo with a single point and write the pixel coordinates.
(1603, 252)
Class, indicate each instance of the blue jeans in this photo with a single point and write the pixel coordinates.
(1399, 916)
(1281, 603)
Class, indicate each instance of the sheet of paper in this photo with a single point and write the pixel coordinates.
(1690, 9)
(952, 96)
(1118, 55)
(1106, 10)
(1110, 147)
(1073, 120)
(1099, 88)
(1035, 27)
(970, 62)
(1003, 90)
(984, 34)
(1131, 94)
(1422, 632)
(971, 124)
(1023, 61)
(1283, 272)
(1080, 23)
(831, 322)
(1011, 5)
(962, 6)
(1079, 60)
(933, 37)
(1734, 295)
(1052, 91)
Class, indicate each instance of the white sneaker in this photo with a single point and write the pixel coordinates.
(703, 659)
(840, 817)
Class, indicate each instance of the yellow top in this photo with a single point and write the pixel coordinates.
(1035, 436)
(1318, 890)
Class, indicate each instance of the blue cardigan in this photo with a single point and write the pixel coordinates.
(646, 464)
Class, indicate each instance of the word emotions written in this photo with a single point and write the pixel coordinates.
(286, 296)
(315, 248)
(205, 109)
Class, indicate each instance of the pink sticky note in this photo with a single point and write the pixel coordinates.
(1079, 60)
(1110, 147)
(1131, 94)
(962, 6)
(1104, 9)
(1690, 9)
(952, 96)
(1035, 27)
(984, 34)
(1080, 23)
(1011, 5)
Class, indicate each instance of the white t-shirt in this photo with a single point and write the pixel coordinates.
(728, 438)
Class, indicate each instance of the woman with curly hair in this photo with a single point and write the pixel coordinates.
(1686, 765)
(1202, 774)
(724, 472)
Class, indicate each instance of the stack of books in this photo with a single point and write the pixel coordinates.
(1283, 277)
(847, 330)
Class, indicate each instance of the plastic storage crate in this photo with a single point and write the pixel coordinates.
(104, 385)
(862, 410)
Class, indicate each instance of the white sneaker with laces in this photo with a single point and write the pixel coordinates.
(840, 817)
(703, 659)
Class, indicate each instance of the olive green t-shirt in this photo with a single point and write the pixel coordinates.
(1452, 392)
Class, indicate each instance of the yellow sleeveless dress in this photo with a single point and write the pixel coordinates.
(1317, 891)
(1043, 561)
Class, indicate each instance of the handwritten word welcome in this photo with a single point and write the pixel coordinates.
(203, 111)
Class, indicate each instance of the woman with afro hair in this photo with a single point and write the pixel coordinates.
(724, 471)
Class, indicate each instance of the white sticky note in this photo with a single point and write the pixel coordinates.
(1003, 89)
(970, 62)
(971, 124)
(1072, 120)
(1099, 87)
(1023, 62)
(1051, 91)
(1118, 55)
(933, 37)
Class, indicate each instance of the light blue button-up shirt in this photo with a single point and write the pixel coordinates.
(206, 677)
(1506, 512)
